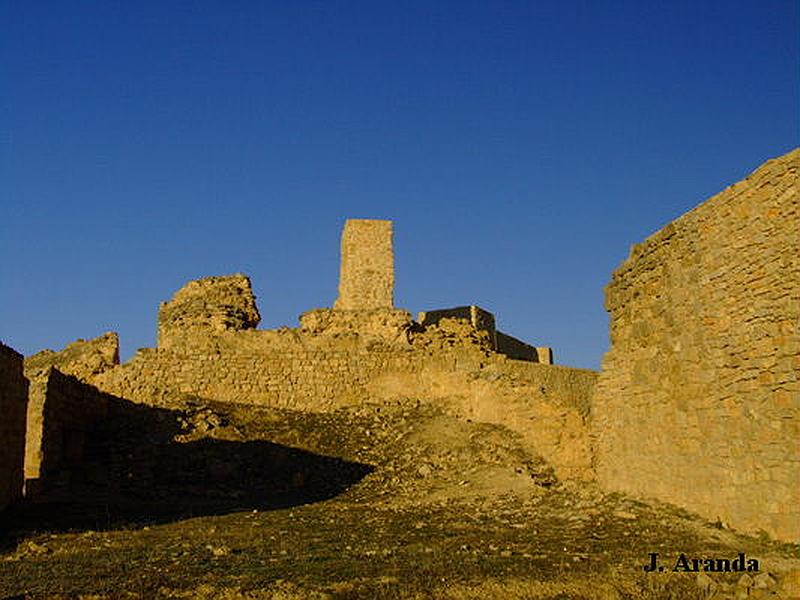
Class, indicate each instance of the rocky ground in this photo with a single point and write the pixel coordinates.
(382, 501)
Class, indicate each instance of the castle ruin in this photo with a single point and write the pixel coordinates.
(366, 280)
(697, 403)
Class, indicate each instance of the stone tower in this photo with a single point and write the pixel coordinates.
(366, 280)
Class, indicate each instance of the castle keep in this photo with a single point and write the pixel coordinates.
(367, 276)
(697, 402)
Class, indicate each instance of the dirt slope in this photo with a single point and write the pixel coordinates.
(387, 500)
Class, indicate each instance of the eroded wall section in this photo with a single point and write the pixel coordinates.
(82, 358)
(207, 306)
(64, 418)
(698, 402)
(13, 403)
(450, 364)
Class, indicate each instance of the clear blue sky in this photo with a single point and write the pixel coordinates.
(520, 148)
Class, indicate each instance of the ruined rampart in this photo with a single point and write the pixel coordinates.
(298, 369)
(82, 358)
(13, 403)
(483, 321)
(65, 416)
(363, 350)
(698, 402)
(480, 319)
(519, 350)
(208, 305)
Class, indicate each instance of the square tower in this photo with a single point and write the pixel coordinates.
(366, 279)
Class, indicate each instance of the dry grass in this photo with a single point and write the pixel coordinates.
(397, 534)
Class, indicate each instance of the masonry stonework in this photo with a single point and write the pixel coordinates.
(64, 416)
(82, 358)
(207, 306)
(698, 402)
(366, 280)
(13, 406)
(479, 318)
(304, 369)
(484, 321)
(360, 351)
(386, 324)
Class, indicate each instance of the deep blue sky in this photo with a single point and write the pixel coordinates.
(520, 148)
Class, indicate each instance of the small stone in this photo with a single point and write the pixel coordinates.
(624, 514)
(34, 548)
(790, 584)
(705, 583)
(763, 581)
(219, 550)
(745, 581)
(741, 593)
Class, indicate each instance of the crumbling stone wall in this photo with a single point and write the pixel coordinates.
(698, 402)
(314, 368)
(64, 414)
(360, 350)
(484, 321)
(386, 324)
(13, 405)
(450, 362)
(205, 307)
(82, 358)
(519, 350)
(480, 319)
(366, 280)
(288, 369)
(547, 405)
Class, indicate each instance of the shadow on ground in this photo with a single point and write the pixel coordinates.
(133, 470)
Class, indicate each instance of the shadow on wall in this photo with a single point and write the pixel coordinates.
(132, 471)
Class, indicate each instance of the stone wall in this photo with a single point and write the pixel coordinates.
(208, 306)
(450, 363)
(366, 280)
(13, 403)
(484, 321)
(698, 402)
(479, 318)
(63, 416)
(386, 324)
(360, 351)
(519, 350)
(277, 368)
(82, 358)
(547, 405)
